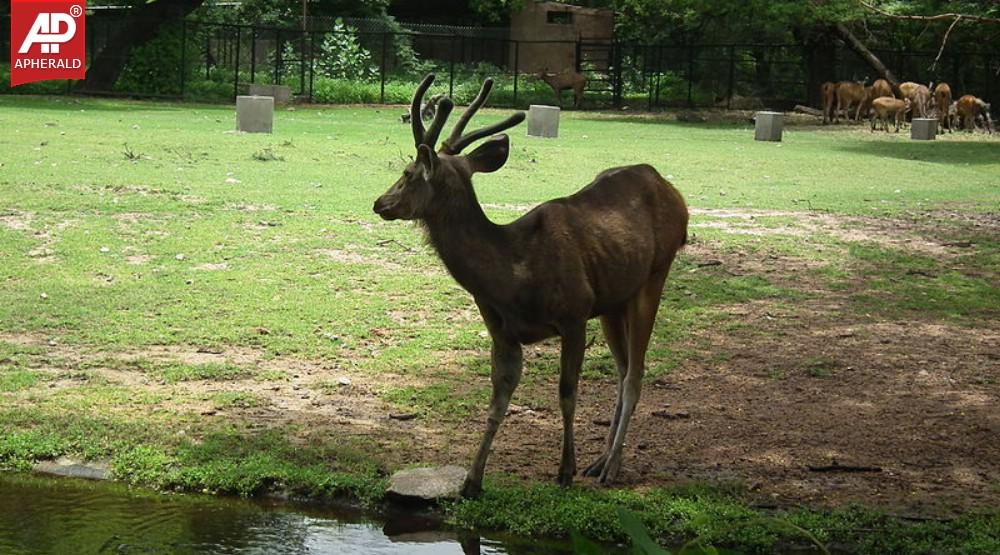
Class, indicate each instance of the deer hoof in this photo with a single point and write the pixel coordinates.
(472, 490)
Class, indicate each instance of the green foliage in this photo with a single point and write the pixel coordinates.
(341, 56)
(19, 449)
(154, 68)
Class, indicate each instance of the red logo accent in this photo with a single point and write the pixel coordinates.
(47, 40)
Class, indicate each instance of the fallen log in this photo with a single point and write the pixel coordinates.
(808, 110)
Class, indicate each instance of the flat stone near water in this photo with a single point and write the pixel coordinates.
(427, 484)
(768, 126)
(255, 114)
(282, 94)
(72, 468)
(543, 121)
(923, 129)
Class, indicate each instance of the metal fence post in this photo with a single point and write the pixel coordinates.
(517, 46)
(277, 57)
(617, 58)
(385, 43)
(451, 67)
(312, 63)
(659, 73)
(690, 74)
(253, 54)
(236, 65)
(302, 61)
(208, 55)
(183, 54)
(732, 74)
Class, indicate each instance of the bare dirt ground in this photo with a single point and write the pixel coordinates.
(808, 403)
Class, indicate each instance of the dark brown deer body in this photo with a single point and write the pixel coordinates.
(604, 251)
(566, 80)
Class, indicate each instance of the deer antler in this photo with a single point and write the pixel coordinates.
(415, 121)
(457, 141)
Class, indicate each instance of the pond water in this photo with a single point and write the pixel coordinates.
(42, 515)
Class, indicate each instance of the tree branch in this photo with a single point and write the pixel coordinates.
(938, 17)
(944, 41)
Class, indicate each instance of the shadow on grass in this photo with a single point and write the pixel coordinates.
(938, 152)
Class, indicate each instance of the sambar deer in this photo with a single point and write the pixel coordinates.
(567, 79)
(849, 93)
(604, 251)
(886, 107)
(971, 110)
(828, 93)
(942, 102)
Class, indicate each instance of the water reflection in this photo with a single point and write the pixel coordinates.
(65, 516)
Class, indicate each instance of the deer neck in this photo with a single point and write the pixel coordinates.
(475, 250)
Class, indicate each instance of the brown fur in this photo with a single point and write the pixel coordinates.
(942, 101)
(568, 79)
(885, 107)
(828, 92)
(971, 111)
(907, 89)
(921, 100)
(604, 251)
(849, 93)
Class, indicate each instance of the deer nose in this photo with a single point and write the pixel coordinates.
(383, 207)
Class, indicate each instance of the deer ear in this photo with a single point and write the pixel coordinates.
(490, 156)
(427, 161)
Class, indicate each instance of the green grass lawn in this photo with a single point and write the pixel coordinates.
(128, 226)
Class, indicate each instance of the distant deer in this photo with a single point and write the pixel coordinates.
(885, 107)
(971, 111)
(567, 79)
(828, 93)
(604, 251)
(849, 93)
(942, 103)
(427, 110)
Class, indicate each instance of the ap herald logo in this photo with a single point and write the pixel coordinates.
(47, 40)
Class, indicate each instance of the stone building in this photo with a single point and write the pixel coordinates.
(560, 26)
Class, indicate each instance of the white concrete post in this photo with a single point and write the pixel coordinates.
(543, 121)
(254, 114)
(768, 126)
(923, 129)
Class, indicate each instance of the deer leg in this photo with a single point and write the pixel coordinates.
(639, 316)
(615, 335)
(573, 346)
(505, 375)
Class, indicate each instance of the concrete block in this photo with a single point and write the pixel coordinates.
(768, 126)
(923, 129)
(254, 114)
(543, 121)
(282, 94)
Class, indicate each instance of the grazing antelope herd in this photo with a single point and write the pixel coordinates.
(882, 105)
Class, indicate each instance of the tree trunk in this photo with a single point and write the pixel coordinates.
(862, 50)
(140, 26)
(820, 57)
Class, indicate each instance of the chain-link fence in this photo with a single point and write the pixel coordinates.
(370, 61)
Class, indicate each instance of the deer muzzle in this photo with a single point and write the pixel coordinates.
(387, 208)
